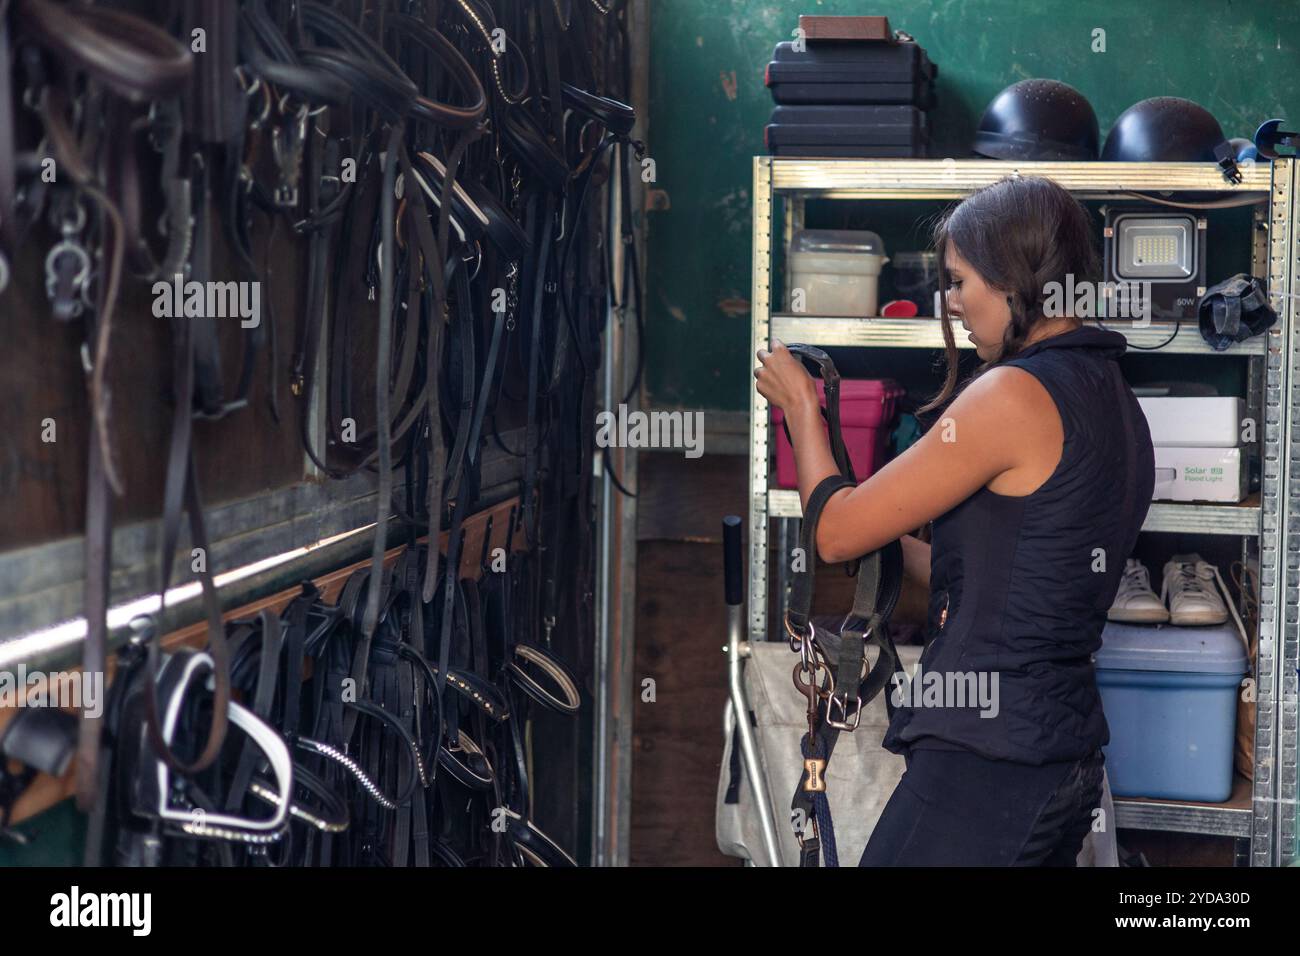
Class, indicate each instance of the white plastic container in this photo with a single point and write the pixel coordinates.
(835, 272)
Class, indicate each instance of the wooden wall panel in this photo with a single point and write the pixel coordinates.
(42, 484)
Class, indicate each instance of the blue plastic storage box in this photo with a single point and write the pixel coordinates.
(1170, 696)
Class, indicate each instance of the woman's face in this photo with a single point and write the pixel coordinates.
(982, 310)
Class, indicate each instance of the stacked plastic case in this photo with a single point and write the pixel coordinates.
(850, 99)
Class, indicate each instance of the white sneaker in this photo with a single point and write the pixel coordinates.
(1135, 602)
(1190, 588)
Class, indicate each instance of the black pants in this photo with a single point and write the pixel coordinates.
(956, 808)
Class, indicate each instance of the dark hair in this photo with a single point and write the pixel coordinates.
(1019, 234)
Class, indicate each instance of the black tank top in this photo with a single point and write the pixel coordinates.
(1027, 581)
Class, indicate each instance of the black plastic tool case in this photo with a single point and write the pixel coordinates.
(864, 132)
(862, 73)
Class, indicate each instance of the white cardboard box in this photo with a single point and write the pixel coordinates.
(1194, 422)
(1199, 474)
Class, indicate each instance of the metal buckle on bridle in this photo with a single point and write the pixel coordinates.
(67, 265)
(834, 700)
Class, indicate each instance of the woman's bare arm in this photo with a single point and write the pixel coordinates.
(1002, 429)
(998, 424)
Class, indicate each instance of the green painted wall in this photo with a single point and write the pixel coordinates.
(708, 107)
(54, 838)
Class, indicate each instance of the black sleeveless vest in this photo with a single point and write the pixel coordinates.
(1027, 581)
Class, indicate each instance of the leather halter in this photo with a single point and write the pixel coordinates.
(833, 672)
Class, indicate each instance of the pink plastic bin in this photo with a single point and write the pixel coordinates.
(866, 415)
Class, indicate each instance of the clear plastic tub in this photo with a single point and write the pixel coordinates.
(835, 272)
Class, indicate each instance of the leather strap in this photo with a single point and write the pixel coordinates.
(462, 75)
(845, 692)
(568, 701)
(358, 60)
(131, 56)
(536, 848)
(270, 56)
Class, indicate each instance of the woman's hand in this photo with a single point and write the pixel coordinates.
(783, 380)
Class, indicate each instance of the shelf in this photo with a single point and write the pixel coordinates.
(951, 178)
(927, 333)
(1187, 518)
(1167, 516)
(1232, 818)
(1258, 816)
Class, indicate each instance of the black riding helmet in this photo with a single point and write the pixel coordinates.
(1164, 129)
(1038, 120)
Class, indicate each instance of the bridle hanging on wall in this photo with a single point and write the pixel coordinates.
(409, 153)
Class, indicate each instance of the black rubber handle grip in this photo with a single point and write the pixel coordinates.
(733, 560)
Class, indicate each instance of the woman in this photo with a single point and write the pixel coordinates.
(1037, 475)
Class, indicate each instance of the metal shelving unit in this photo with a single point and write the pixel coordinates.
(1238, 520)
(926, 333)
(1260, 815)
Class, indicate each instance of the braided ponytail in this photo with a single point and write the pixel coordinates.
(1019, 234)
